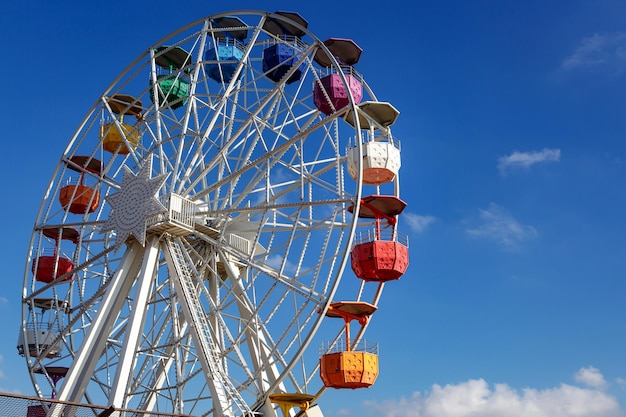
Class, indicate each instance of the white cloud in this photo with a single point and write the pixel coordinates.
(606, 51)
(474, 398)
(277, 262)
(527, 159)
(497, 224)
(591, 377)
(417, 223)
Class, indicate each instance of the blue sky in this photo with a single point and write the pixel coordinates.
(512, 122)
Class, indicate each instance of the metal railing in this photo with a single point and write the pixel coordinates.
(180, 210)
(16, 405)
(339, 345)
(385, 234)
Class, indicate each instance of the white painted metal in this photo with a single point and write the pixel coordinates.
(217, 379)
(123, 374)
(87, 357)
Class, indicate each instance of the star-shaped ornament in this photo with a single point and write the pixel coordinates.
(134, 203)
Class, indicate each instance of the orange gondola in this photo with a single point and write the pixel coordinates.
(77, 197)
(353, 366)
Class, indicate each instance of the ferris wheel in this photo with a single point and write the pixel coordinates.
(199, 229)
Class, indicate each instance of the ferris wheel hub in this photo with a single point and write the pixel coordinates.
(134, 203)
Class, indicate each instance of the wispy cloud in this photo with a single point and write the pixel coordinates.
(591, 377)
(417, 223)
(495, 223)
(607, 51)
(476, 397)
(277, 262)
(527, 159)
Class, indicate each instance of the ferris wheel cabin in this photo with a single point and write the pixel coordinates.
(35, 411)
(77, 197)
(51, 265)
(227, 48)
(172, 86)
(55, 373)
(117, 136)
(280, 58)
(39, 340)
(380, 255)
(330, 93)
(381, 154)
(355, 365)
